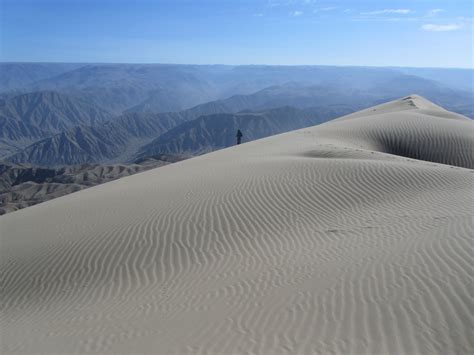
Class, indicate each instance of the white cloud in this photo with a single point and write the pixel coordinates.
(258, 15)
(296, 13)
(441, 28)
(434, 12)
(388, 11)
(323, 9)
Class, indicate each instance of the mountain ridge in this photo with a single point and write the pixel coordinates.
(53, 111)
(95, 144)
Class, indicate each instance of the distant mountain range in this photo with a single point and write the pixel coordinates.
(217, 131)
(51, 129)
(51, 111)
(57, 115)
(134, 136)
(113, 141)
(16, 76)
(161, 87)
(119, 87)
(26, 118)
(461, 79)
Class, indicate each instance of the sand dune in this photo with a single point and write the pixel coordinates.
(348, 237)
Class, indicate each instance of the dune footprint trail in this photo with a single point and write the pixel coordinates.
(354, 236)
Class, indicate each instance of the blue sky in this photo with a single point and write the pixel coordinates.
(420, 33)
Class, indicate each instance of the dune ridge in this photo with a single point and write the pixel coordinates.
(354, 236)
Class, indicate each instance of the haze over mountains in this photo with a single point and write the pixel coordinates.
(118, 87)
(54, 115)
(14, 76)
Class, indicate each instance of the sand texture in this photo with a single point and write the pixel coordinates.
(352, 237)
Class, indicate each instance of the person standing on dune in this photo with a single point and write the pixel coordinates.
(239, 136)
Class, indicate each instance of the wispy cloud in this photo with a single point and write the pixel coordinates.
(434, 12)
(388, 11)
(296, 13)
(325, 9)
(441, 28)
(258, 15)
(275, 3)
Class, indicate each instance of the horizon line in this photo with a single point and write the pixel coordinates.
(237, 65)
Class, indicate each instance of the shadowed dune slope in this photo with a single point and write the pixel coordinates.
(412, 127)
(321, 240)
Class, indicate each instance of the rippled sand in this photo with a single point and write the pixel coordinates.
(354, 236)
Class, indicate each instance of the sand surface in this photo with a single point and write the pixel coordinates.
(352, 237)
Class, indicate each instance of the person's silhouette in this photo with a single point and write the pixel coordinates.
(239, 136)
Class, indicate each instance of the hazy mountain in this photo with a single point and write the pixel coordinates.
(27, 118)
(301, 95)
(211, 132)
(160, 101)
(118, 87)
(79, 145)
(51, 111)
(291, 94)
(113, 141)
(461, 79)
(18, 75)
(244, 80)
(160, 88)
(459, 101)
